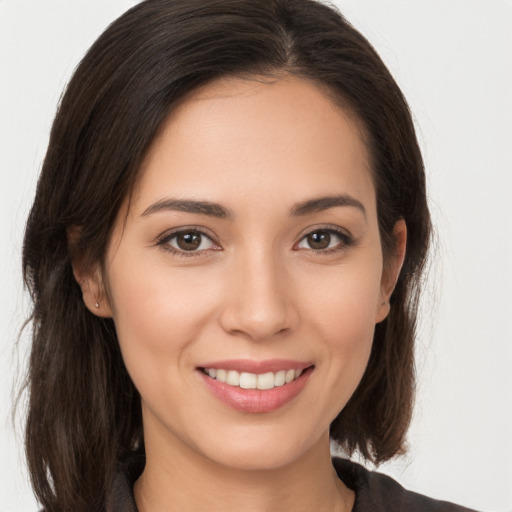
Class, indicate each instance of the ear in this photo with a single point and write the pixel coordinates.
(391, 270)
(89, 277)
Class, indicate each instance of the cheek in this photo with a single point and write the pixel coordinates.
(342, 314)
(347, 329)
(345, 300)
(156, 312)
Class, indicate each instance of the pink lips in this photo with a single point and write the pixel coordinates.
(256, 400)
(247, 365)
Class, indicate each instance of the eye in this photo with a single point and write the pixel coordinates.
(325, 240)
(189, 241)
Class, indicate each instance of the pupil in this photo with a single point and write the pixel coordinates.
(319, 240)
(189, 241)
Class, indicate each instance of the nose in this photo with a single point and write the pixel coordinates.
(259, 299)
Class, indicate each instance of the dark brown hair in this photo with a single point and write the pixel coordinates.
(84, 412)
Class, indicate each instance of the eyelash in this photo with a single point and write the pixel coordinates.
(163, 242)
(346, 241)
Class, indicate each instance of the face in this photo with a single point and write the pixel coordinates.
(246, 277)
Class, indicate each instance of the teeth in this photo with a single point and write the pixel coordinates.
(247, 380)
(233, 378)
(280, 378)
(266, 380)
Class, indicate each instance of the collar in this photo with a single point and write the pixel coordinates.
(375, 492)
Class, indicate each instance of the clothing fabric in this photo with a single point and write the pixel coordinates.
(374, 491)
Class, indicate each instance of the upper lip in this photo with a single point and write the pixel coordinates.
(257, 367)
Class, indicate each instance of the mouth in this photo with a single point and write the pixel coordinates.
(269, 386)
(247, 380)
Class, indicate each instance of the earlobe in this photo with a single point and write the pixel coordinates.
(89, 278)
(392, 270)
(93, 292)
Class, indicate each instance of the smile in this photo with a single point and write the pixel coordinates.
(255, 387)
(246, 380)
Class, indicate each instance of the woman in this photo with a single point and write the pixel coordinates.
(224, 253)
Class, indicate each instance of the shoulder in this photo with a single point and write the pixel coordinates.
(376, 492)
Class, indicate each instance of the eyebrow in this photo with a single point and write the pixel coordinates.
(190, 206)
(321, 204)
(211, 209)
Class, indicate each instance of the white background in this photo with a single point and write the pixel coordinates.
(453, 60)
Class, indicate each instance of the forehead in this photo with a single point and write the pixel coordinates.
(257, 138)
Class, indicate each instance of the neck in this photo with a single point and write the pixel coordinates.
(184, 480)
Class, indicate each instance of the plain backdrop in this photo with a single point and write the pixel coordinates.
(453, 60)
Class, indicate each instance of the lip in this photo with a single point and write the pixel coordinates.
(256, 400)
(251, 366)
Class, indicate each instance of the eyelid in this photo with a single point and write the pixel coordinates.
(347, 240)
(163, 239)
(324, 227)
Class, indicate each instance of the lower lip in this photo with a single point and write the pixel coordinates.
(256, 400)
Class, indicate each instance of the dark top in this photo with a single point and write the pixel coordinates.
(375, 492)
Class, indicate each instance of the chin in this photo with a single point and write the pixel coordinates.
(261, 449)
(255, 458)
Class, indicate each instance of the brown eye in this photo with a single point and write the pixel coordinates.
(319, 240)
(326, 240)
(188, 242)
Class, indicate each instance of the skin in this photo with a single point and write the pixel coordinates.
(254, 289)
